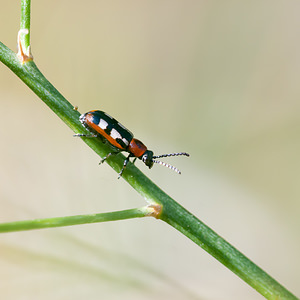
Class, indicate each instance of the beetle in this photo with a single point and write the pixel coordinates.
(102, 125)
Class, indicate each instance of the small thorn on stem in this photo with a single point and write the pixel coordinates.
(156, 210)
(24, 55)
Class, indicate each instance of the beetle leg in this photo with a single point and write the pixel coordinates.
(106, 157)
(85, 135)
(124, 165)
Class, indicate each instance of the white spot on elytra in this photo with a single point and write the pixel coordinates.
(115, 134)
(125, 141)
(102, 124)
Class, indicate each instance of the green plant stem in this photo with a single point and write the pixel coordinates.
(25, 22)
(172, 213)
(75, 220)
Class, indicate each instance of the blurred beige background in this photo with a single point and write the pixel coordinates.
(218, 79)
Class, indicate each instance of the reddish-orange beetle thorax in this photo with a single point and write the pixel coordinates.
(137, 148)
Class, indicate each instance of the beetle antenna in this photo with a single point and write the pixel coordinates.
(171, 154)
(167, 165)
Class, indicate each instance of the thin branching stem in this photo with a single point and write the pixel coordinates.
(25, 22)
(76, 220)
